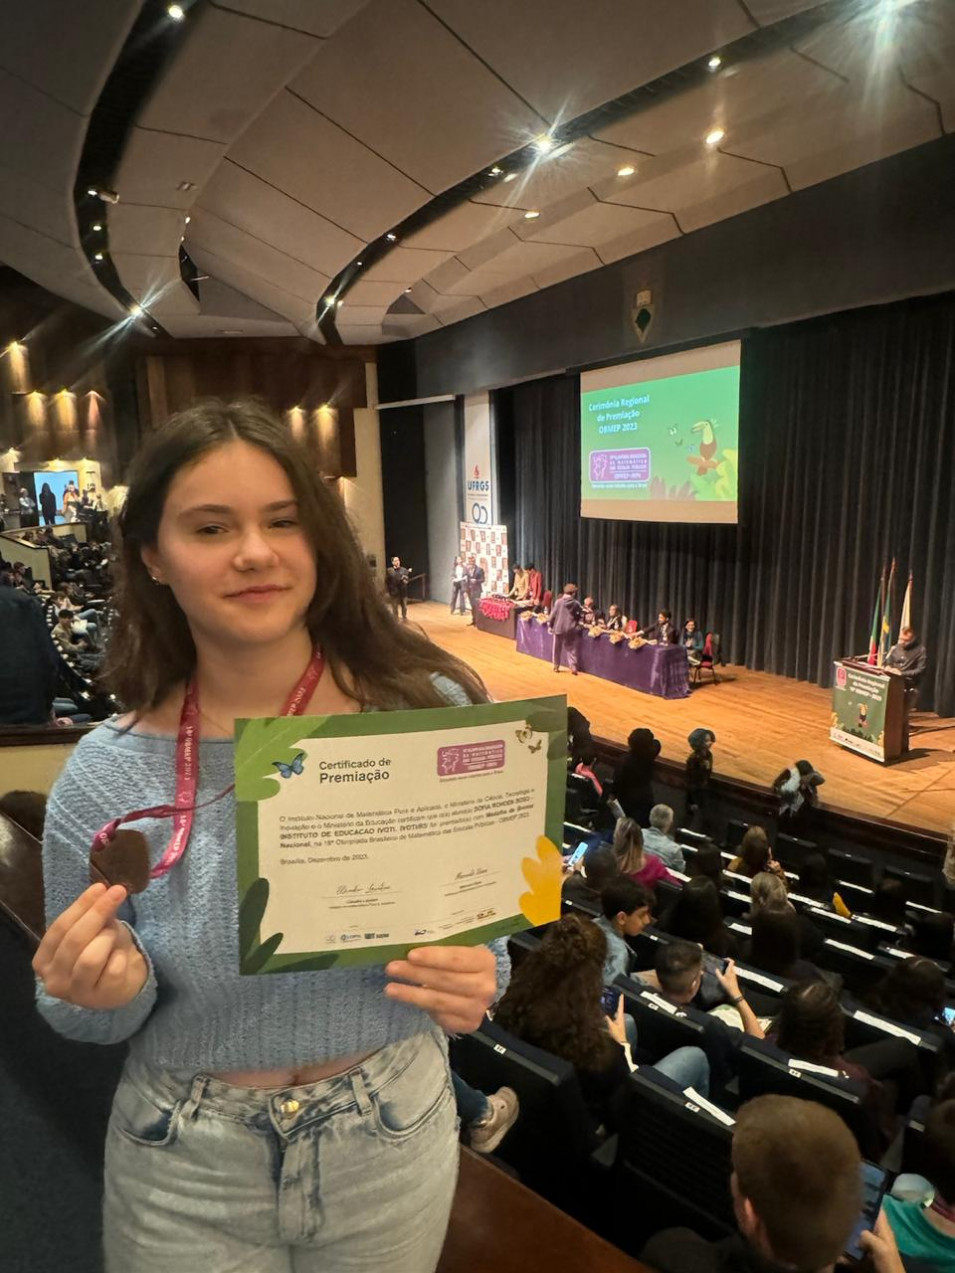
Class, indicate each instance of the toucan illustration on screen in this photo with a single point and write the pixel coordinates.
(704, 461)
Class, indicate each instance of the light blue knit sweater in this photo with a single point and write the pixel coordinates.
(195, 1011)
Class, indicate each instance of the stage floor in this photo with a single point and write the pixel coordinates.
(762, 724)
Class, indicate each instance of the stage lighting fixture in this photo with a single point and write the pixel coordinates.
(99, 256)
(136, 311)
(510, 176)
(715, 137)
(176, 12)
(626, 171)
(532, 215)
(495, 171)
(544, 144)
(715, 62)
(392, 238)
(97, 227)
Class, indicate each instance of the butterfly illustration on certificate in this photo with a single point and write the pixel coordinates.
(296, 767)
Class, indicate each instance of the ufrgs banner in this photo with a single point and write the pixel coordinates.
(479, 494)
(858, 710)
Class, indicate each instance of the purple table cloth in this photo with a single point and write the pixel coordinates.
(662, 670)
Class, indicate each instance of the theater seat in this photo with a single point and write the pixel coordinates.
(852, 867)
(672, 1166)
(791, 851)
(860, 970)
(661, 1028)
(918, 887)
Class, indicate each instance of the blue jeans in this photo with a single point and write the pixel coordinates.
(472, 1104)
(688, 1067)
(356, 1172)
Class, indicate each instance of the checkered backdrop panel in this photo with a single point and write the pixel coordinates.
(489, 546)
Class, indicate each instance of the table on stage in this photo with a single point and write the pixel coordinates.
(497, 616)
(662, 670)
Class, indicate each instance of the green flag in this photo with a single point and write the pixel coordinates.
(885, 635)
(876, 621)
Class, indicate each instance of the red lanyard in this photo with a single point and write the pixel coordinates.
(187, 767)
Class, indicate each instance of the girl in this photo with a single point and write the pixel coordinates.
(283, 1123)
(645, 868)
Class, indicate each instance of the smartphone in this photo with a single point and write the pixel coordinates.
(610, 1000)
(874, 1181)
(949, 1015)
(577, 854)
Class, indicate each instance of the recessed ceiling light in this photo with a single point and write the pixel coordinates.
(329, 300)
(97, 226)
(92, 191)
(715, 62)
(186, 185)
(545, 143)
(188, 219)
(340, 304)
(532, 215)
(176, 12)
(407, 289)
(229, 331)
(715, 137)
(98, 256)
(358, 264)
(509, 176)
(495, 171)
(136, 310)
(392, 238)
(626, 171)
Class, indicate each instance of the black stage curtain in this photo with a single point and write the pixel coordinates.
(847, 458)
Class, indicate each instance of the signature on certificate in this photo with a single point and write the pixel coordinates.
(472, 873)
(377, 887)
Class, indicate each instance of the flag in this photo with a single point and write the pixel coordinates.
(906, 620)
(885, 634)
(876, 620)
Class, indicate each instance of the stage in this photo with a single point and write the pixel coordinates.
(762, 724)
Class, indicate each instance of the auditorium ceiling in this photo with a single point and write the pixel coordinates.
(361, 171)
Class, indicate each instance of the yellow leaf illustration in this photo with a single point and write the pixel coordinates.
(545, 876)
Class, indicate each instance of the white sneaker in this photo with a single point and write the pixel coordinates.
(487, 1133)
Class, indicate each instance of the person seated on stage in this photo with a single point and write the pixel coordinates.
(658, 841)
(521, 589)
(797, 789)
(796, 1193)
(692, 642)
(616, 620)
(924, 1228)
(663, 631)
(633, 777)
(553, 1002)
(631, 859)
(774, 946)
(816, 882)
(627, 910)
(909, 657)
(590, 616)
(697, 916)
(755, 855)
(698, 768)
(586, 882)
(707, 863)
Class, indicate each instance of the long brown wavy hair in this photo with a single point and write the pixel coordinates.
(371, 656)
(553, 1001)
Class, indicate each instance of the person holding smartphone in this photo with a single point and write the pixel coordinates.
(259, 1121)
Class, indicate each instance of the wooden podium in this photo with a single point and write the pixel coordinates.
(868, 710)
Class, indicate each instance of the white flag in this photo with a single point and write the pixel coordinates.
(907, 605)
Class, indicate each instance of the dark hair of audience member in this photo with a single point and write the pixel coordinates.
(628, 845)
(912, 991)
(706, 862)
(626, 895)
(27, 809)
(932, 936)
(888, 902)
(677, 965)
(553, 1000)
(798, 1165)
(696, 915)
(587, 755)
(774, 947)
(938, 1150)
(369, 655)
(810, 1024)
(754, 852)
(600, 866)
(814, 878)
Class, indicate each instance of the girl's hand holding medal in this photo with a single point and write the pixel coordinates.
(88, 957)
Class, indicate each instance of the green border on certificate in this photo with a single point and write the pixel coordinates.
(364, 835)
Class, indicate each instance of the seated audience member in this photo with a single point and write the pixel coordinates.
(631, 859)
(585, 768)
(486, 1119)
(769, 892)
(627, 910)
(28, 662)
(796, 1194)
(27, 809)
(78, 648)
(931, 936)
(925, 1230)
(584, 885)
(707, 861)
(696, 915)
(913, 992)
(797, 789)
(888, 902)
(815, 882)
(616, 620)
(698, 768)
(658, 841)
(553, 1002)
(662, 631)
(579, 737)
(679, 967)
(774, 946)
(633, 777)
(755, 855)
(692, 642)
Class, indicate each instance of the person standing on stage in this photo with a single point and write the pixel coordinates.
(474, 579)
(396, 584)
(458, 584)
(563, 623)
(662, 631)
(908, 658)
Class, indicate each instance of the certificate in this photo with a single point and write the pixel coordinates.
(364, 835)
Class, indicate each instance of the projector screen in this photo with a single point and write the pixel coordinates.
(659, 438)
